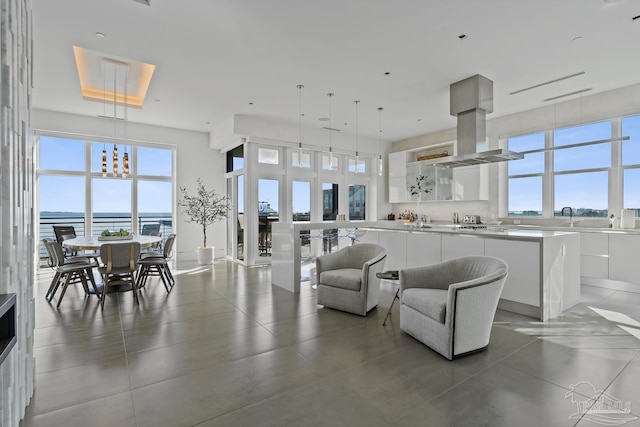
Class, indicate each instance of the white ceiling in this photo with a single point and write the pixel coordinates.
(215, 57)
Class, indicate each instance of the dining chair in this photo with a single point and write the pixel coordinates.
(155, 249)
(66, 232)
(67, 272)
(62, 233)
(158, 266)
(147, 229)
(119, 265)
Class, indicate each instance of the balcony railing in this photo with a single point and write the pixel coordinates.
(100, 224)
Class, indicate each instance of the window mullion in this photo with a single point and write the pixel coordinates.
(548, 193)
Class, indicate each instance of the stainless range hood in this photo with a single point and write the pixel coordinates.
(470, 101)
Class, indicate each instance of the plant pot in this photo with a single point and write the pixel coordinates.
(205, 255)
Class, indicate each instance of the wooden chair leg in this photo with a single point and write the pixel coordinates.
(142, 276)
(168, 270)
(93, 282)
(83, 279)
(165, 280)
(64, 288)
(55, 282)
(134, 287)
(104, 290)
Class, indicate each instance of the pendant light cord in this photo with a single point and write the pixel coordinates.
(331, 166)
(357, 156)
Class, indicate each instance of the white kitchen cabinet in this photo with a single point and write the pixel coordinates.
(471, 183)
(398, 177)
(398, 164)
(423, 249)
(594, 255)
(523, 258)
(444, 183)
(458, 246)
(396, 246)
(367, 236)
(624, 264)
(398, 189)
(438, 180)
(463, 183)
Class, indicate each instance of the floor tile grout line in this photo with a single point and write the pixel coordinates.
(604, 390)
(560, 385)
(126, 362)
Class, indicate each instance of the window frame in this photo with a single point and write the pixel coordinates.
(615, 172)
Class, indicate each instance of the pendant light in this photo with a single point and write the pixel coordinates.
(115, 147)
(115, 160)
(357, 154)
(332, 162)
(125, 163)
(379, 143)
(104, 161)
(125, 156)
(104, 113)
(300, 126)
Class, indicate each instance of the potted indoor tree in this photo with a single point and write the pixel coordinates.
(204, 208)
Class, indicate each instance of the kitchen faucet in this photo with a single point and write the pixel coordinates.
(570, 212)
(571, 223)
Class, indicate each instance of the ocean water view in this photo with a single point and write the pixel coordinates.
(112, 221)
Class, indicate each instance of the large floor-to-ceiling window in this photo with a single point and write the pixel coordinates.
(86, 184)
(594, 176)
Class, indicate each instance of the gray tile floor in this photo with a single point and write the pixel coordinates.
(226, 348)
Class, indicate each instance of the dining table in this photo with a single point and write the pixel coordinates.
(93, 243)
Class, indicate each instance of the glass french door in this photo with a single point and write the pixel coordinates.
(268, 205)
(235, 220)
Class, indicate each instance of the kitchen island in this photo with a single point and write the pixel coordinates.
(544, 266)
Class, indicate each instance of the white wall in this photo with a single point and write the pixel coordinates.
(601, 106)
(194, 159)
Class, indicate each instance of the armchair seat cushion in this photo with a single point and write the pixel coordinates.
(345, 278)
(430, 302)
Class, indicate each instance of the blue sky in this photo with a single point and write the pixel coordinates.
(578, 190)
(110, 194)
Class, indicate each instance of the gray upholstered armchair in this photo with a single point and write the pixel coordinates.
(450, 306)
(347, 279)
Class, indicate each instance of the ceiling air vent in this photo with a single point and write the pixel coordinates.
(559, 79)
(553, 98)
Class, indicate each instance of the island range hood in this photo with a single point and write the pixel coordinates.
(470, 101)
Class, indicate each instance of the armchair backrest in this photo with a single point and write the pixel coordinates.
(358, 255)
(475, 269)
(481, 282)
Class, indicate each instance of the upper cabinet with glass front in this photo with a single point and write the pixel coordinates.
(460, 183)
(428, 183)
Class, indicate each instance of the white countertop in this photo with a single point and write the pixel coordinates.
(494, 232)
(579, 229)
